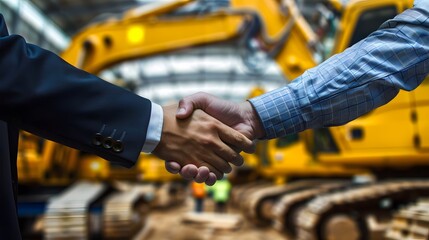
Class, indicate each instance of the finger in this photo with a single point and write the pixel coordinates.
(211, 180)
(188, 104)
(184, 110)
(235, 139)
(189, 171)
(203, 174)
(210, 160)
(252, 149)
(218, 173)
(172, 167)
(229, 154)
(216, 163)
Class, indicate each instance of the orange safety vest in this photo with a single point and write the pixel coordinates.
(198, 190)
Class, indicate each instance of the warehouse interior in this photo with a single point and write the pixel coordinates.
(367, 179)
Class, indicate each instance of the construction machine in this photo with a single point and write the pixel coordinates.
(256, 34)
(349, 211)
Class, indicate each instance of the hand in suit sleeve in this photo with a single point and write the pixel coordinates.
(42, 94)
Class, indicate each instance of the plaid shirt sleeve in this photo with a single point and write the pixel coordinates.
(365, 76)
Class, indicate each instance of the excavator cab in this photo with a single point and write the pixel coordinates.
(363, 142)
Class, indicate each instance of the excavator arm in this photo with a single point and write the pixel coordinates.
(277, 28)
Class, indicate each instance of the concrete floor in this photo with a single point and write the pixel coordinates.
(166, 224)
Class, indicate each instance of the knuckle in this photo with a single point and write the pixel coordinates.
(204, 140)
(211, 125)
(208, 141)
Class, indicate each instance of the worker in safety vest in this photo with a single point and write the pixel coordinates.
(199, 193)
(220, 192)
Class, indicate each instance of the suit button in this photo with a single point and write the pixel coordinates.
(108, 142)
(97, 140)
(118, 146)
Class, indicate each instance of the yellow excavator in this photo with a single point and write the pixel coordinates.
(263, 30)
(369, 145)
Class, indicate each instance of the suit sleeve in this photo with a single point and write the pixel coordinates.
(42, 94)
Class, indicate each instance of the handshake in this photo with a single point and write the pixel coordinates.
(203, 135)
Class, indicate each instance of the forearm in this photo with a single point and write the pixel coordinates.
(350, 84)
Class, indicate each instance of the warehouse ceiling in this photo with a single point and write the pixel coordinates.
(72, 15)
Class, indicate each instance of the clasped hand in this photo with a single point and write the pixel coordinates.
(201, 144)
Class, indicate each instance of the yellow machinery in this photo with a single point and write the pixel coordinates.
(389, 143)
(404, 135)
(294, 156)
(146, 31)
(277, 29)
(392, 142)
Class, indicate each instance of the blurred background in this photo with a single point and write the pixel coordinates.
(368, 179)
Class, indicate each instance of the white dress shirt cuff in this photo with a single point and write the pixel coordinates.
(154, 129)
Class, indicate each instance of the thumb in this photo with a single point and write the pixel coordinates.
(172, 167)
(188, 104)
(185, 109)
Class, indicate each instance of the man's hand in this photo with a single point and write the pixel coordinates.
(200, 140)
(240, 116)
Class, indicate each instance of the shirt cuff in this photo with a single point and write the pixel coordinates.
(278, 112)
(154, 129)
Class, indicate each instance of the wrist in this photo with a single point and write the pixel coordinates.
(253, 118)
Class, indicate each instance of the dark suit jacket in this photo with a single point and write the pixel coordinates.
(44, 95)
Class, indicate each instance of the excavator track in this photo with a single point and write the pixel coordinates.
(67, 215)
(411, 222)
(286, 209)
(169, 194)
(239, 194)
(259, 205)
(345, 214)
(123, 214)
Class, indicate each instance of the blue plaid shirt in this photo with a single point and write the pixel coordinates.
(363, 77)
